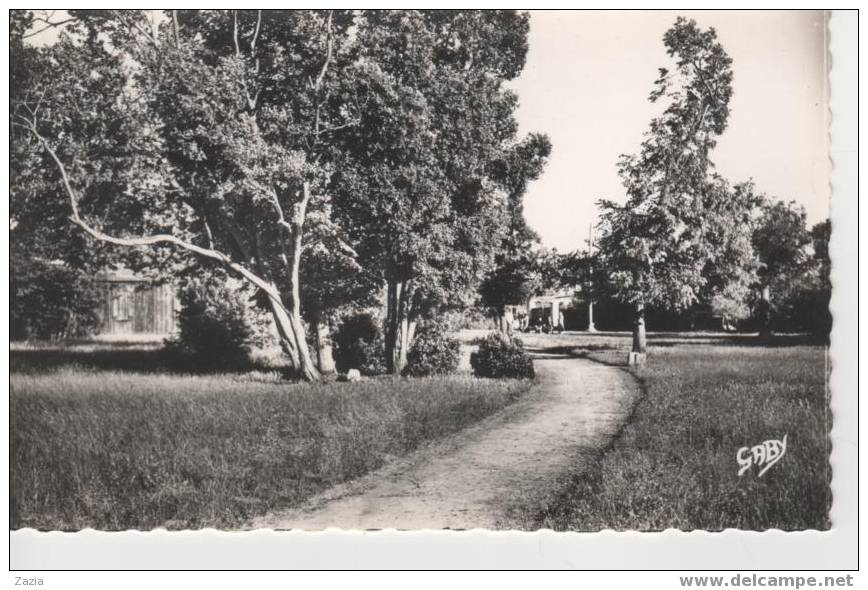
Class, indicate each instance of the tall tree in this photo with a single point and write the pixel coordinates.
(732, 213)
(205, 133)
(821, 292)
(802, 298)
(780, 240)
(332, 280)
(656, 246)
(515, 276)
(39, 226)
(417, 188)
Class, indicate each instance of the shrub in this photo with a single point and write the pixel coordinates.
(432, 353)
(51, 301)
(502, 356)
(218, 325)
(359, 344)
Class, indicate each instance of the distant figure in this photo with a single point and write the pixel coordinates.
(508, 320)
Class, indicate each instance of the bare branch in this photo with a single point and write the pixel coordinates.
(48, 25)
(256, 31)
(152, 240)
(149, 36)
(281, 219)
(347, 248)
(154, 28)
(209, 235)
(350, 123)
(343, 247)
(251, 102)
(299, 209)
(317, 85)
(176, 28)
(329, 50)
(38, 104)
(253, 48)
(235, 33)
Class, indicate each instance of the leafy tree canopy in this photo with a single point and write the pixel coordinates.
(658, 246)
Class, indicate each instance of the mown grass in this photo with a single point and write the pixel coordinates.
(674, 463)
(125, 449)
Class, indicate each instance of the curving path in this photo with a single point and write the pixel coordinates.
(466, 480)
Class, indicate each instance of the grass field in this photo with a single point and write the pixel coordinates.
(674, 463)
(99, 440)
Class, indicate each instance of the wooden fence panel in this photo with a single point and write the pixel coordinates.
(135, 307)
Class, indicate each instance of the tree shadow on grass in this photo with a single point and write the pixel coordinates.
(615, 352)
(574, 352)
(611, 340)
(665, 340)
(131, 357)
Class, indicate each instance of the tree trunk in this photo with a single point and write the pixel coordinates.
(765, 332)
(287, 319)
(281, 322)
(408, 331)
(504, 320)
(286, 311)
(399, 328)
(639, 341)
(325, 361)
(292, 340)
(306, 368)
(392, 322)
(500, 319)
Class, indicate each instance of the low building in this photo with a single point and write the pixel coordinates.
(554, 309)
(134, 305)
(563, 307)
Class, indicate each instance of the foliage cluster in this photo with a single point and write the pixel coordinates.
(433, 353)
(219, 324)
(499, 356)
(319, 155)
(51, 301)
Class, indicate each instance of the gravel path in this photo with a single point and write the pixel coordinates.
(466, 480)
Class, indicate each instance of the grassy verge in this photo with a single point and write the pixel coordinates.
(674, 463)
(113, 449)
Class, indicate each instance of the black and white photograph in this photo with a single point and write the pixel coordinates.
(420, 270)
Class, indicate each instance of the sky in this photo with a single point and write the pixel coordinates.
(586, 85)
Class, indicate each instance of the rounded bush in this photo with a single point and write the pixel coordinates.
(432, 353)
(218, 325)
(502, 356)
(359, 344)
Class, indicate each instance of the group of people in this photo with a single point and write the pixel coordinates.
(542, 324)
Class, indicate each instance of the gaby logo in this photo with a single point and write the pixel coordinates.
(763, 455)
